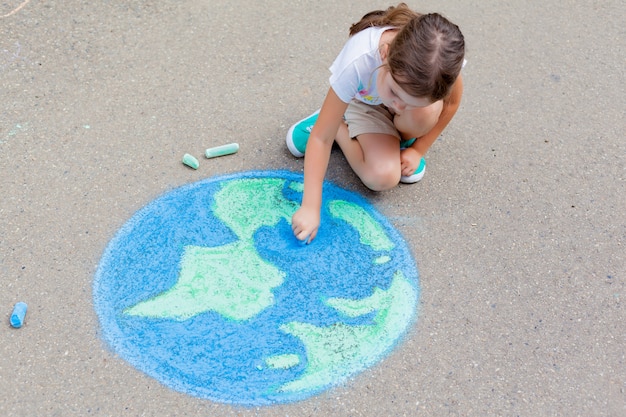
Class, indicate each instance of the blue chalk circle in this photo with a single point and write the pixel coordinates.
(207, 290)
(19, 312)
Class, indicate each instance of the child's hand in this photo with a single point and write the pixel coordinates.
(305, 223)
(409, 160)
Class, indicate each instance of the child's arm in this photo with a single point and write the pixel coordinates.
(305, 222)
(423, 143)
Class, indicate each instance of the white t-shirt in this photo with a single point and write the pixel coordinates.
(354, 72)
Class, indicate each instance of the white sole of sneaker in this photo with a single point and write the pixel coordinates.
(290, 145)
(413, 178)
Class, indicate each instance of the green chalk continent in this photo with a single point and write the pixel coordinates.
(233, 279)
(371, 233)
(353, 348)
(248, 204)
(283, 361)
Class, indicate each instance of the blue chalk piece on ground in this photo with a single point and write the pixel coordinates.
(19, 312)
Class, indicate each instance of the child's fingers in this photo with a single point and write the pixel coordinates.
(303, 226)
(303, 235)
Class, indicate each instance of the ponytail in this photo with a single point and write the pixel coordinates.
(395, 16)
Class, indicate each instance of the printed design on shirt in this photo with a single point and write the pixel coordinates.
(365, 92)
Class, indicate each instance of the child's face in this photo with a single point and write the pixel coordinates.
(395, 97)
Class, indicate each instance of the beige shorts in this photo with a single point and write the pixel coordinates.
(364, 118)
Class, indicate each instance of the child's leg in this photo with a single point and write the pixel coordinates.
(374, 157)
(370, 143)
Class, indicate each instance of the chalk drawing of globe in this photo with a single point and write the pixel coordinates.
(206, 290)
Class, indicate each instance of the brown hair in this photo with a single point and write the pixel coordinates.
(426, 55)
(396, 16)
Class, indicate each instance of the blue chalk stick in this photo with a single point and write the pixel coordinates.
(304, 241)
(19, 312)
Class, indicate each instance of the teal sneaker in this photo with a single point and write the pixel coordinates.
(406, 143)
(298, 135)
(417, 175)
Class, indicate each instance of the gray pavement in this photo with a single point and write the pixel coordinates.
(518, 228)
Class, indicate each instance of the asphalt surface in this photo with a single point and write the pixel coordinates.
(518, 227)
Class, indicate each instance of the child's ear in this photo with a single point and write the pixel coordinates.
(384, 50)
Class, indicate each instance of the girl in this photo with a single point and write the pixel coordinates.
(394, 87)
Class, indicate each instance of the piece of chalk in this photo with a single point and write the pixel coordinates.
(222, 150)
(19, 312)
(304, 241)
(190, 161)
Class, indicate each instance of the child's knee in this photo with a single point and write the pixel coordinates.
(382, 176)
(434, 111)
(428, 117)
(419, 121)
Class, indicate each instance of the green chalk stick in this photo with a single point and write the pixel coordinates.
(190, 161)
(222, 150)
